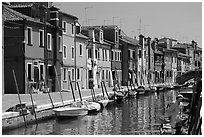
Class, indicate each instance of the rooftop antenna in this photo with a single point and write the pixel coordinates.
(114, 19)
(121, 21)
(145, 25)
(90, 20)
(86, 14)
(140, 26)
(106, 21)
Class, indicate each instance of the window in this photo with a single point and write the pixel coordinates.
(116, 36)
(78, 74)
(60, 43)
(29, 71)
(133, 54)
(41, 38)
(140, 53)
(64, 26)
(64, 74)
(96, 53)
(99, 50)
(152, 59)
(89, 53)
(41, 72)
(105, 54)
(64, 51)
(129, 56)
(107, 75)
(120, 56)
(112, 54)
(49, 41)
(30, 42)
(73, 74)
(72, 29)
(116, 59)
(103, 73)
(72, 52)
(80, 50)
(101, 36)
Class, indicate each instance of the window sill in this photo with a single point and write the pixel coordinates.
(29, 44)
(41, 46)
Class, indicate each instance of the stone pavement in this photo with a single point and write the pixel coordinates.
(10, 100)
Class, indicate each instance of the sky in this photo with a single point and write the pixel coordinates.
(178, 20)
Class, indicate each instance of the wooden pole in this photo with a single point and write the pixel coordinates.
(48, 93)
(102, 90)
(19, 97)
(58, 84)
(31, 97)
(94, 94)
(72, 88)
(105, 88)
(79, 91)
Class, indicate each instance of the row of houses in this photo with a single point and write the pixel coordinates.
(47, 47)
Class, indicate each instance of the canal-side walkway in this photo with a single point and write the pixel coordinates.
(44, 108)
(9, 100)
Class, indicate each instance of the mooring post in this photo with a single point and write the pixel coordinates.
(19, 97)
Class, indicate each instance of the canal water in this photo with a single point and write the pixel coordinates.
(135, 116)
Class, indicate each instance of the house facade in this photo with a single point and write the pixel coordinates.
(111, 36)
(36, 39)
(129, 59)
(98, 54)
(68, 50)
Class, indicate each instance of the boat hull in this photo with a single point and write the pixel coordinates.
(70, 112)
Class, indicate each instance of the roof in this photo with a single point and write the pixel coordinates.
(21, 4)
(171, 50)
(164, 39)
(158, 52)
(180, 45)
(81, 36)
(12, 15)
(183, 55)
(129, 40)
(69, 15)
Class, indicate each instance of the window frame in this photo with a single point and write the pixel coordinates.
(43, 38)
(50, 46)
(60, 44)
(64, 25)
(31, 78)
(31, 36)
(64, 51)
(80, 49)
(72, 54)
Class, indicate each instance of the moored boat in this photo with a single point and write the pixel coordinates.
(140, 90)
(92, 106)
(70, 111)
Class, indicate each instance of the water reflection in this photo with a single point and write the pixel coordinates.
(136, 116)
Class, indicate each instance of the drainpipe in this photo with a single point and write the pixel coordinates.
(75, 54)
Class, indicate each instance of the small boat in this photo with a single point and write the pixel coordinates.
(92, 107)
(103, 103)
(140, 90)
(70, 111)
(187, 92)
(119, 96)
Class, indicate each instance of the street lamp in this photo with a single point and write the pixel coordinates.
(86, 13)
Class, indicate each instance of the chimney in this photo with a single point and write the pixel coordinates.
(141, 39)
(54, 16)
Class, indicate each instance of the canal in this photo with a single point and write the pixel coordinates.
(135, 116)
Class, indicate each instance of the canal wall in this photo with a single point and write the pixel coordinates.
(12, 120)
